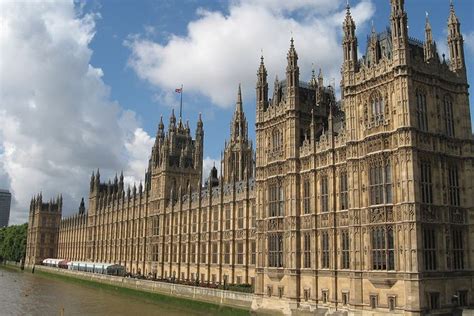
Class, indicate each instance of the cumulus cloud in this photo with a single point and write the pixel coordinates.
(207, 165)
(57, 121)
(220, 50)
(469, 42)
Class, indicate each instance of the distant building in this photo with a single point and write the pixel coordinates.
(5, 201)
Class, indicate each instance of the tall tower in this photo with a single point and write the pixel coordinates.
(175, 167)
(349, 45)
(399, 28)
(43, 226)
(455, 42)
(238, 153)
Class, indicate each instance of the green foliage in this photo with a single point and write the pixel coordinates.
(13, 242)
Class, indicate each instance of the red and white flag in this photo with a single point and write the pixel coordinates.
(178, 90)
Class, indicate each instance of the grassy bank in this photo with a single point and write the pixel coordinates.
(174, 302)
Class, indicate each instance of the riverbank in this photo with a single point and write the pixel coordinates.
(213, 301)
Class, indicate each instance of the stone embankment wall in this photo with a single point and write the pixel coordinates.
(215, 296)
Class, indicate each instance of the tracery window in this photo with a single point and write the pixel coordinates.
(307, 250)
(458, 249)
(275, 250)
(380, 184)
(240, 253)
(306, 197)
(325, 250)
(214, 252)
(203, 252)
(183, 253)
(453, 186)
(345, 241)
(343, 188)
(277, 140)
(204, 221)
(378, 107)
(156, 226)
(448, 116)
(227, 252)
(383, 248)
(275, 200)
(240, 218)
(324, 195)
(429, 248)
(253, 246)
(426, 186)
(228, 217)
(421, 110)
(193, 253)
(215, 219)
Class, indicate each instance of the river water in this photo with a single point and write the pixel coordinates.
(24, 293)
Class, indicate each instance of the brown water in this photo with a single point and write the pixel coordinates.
(24, 293)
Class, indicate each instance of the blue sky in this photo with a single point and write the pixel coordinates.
(160, 19)
(83, 83)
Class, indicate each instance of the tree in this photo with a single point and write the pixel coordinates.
(13, 242)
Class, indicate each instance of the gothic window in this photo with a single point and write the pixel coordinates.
(183, 253)
(240, 253)
(380, 184)
(383, 248)
(325, 250)
(458, 249)
(429, 248)
(227, 253)
(175, 253)
(193, 253)
(275, 201)
(426, 186)
(306, 197)
(324, 194)
(421, 110)
(176, 227)
(204, 221)
(203, 252)
(214, 252)
(254, 216)
(277, 140)
(253, 246)
(343, 188)
(240, 221)
(154, 253)
(185, 223)
(167, 250)
(215, 219)
(168, 221)
(345, 241)
(228, 217)
(194, 221)
(453, 183)
(307, 250)
(156, 226)
(448, 116)
(378, 107)
(275, 250)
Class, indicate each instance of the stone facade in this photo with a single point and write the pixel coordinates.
(362, 205)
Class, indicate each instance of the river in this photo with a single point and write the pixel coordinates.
(24, 293)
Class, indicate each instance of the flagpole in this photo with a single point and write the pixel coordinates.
(181, 103)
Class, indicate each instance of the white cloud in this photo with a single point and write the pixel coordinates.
(207, 165)
(469, 42)
(57, 122)
(219, 51)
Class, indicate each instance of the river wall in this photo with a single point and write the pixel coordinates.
(215, 296)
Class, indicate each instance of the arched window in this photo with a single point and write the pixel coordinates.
(378, 107)
(448, 116)
(421, 110)
(277, 140)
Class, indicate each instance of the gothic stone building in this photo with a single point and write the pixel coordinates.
(362, 205)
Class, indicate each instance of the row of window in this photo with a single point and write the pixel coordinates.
(422, 113)
(226, 253)
(426, 185)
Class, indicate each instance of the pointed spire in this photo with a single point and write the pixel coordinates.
(455, 41)
(238, 105)
(429, 45)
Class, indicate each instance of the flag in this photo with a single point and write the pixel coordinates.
(178, 90)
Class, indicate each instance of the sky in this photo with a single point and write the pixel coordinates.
(83, 83)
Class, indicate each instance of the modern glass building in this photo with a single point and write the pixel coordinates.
(5, 201)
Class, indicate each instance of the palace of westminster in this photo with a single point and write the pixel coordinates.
(364, 205)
